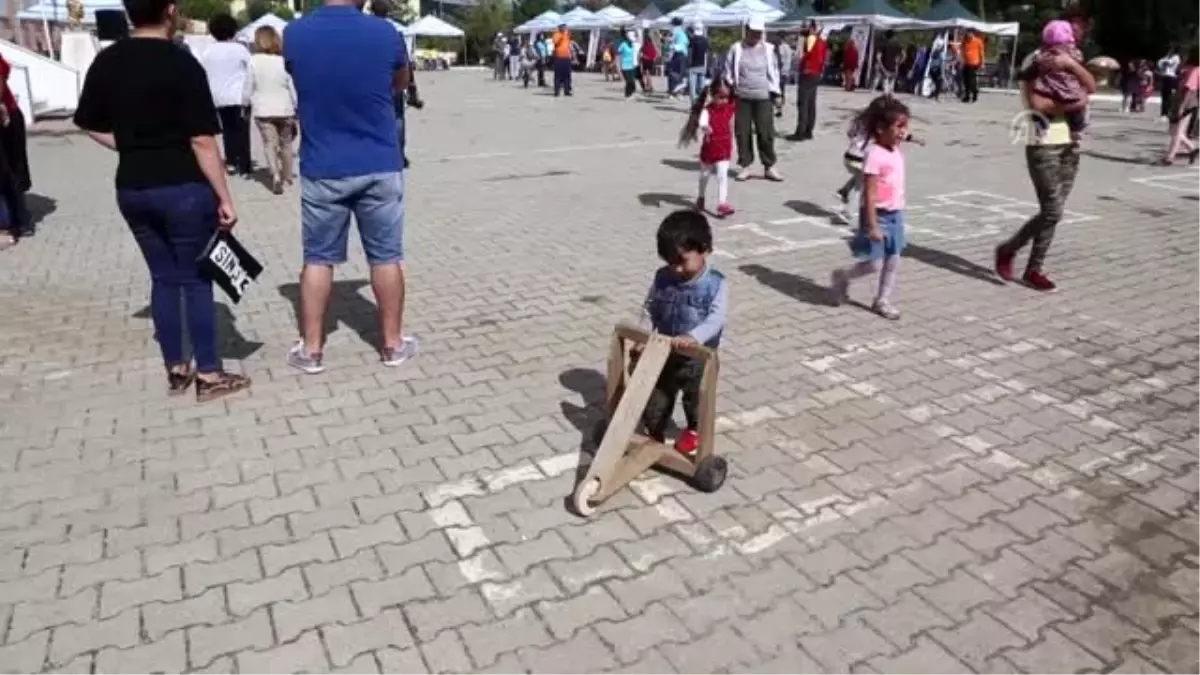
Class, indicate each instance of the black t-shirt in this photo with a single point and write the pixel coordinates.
(890, 55)
(154, 98)
(698, 51)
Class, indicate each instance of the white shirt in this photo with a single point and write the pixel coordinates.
(226, 64)
(1168, 66)
(269, 87)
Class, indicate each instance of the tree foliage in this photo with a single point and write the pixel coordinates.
(483, 21)
(528, 9)
(203, 10)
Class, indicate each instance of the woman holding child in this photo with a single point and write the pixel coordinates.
(1052, 156)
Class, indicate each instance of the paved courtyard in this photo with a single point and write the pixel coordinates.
(1000, 481)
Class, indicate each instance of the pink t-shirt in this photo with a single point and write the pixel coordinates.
(1193, 79)
(888, 165)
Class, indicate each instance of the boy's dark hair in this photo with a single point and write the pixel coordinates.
(381, 8)
(222, 27)
(683, 231)
(146, 12)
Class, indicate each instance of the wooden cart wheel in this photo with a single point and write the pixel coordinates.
(582, 500)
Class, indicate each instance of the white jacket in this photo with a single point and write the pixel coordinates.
(269, 87)
(735, 55)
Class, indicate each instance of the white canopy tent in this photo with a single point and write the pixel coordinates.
(246, 34)
(546, 21)
(697, 10)
(582, 19)
(742, 11)
(432, 26)
(616, 17)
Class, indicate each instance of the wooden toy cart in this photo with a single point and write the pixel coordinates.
(624, 454)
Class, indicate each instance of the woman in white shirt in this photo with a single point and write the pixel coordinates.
(1168, 78)
(273, 104)
(225, 62)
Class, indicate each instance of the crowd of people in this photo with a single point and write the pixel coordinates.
(171, 179)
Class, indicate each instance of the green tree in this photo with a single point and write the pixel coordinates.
(256, 8)
(483, 21)
(528, 9)
(203, 10)
(283, 10)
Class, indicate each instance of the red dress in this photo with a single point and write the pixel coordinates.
(718, 144)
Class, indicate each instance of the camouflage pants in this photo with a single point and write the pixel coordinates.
(1052, 169)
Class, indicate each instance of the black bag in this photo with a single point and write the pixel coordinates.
(227, 263)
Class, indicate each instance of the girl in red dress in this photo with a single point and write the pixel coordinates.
(712, 116)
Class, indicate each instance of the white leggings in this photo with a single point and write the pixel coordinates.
(721, 169)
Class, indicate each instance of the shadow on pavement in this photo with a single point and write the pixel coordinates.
(951, 263)
(231, 344)
(658, 199)
(346, 305)
(792, 285)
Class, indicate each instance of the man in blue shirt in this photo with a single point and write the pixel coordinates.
(347, 68)
(543, 55)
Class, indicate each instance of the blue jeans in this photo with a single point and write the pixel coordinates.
(377, 202)
(172, 225)
(696, 76)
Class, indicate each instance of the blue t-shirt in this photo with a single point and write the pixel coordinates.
(342, 64)
(626, 56)
(679, 40)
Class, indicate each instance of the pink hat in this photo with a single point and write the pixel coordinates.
(1058, 33)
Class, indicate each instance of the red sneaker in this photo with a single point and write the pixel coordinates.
(1004, 264)
(724, 210)
(687, 442)
(1039, 282)
(700, 204)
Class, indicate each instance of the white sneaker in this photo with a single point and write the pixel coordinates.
(743, 174)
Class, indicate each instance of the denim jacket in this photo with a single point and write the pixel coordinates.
(695, 307)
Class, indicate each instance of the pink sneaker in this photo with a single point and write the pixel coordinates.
(724, 210)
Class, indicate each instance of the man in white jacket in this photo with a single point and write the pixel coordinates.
(753, 73)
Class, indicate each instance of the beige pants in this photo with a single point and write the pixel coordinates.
(277, 134)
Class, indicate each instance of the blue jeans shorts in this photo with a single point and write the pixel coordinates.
(377, 202)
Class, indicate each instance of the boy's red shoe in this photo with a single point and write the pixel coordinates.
(1039, 282)
(1004, 264)
(687, 442)
(724, 210)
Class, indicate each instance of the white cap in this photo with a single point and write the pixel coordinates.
(756, 23)
(697, 28)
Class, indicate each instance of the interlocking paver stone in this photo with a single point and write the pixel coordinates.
(999, 480)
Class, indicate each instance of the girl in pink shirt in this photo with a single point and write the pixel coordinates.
(880, 237)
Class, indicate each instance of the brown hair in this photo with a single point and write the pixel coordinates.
(266, 39)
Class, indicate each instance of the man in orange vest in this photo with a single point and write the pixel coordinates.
(972, 60)
(562, 60)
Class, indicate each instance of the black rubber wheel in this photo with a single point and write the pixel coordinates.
(710, 474)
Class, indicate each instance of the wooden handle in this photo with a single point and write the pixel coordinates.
(627, 331)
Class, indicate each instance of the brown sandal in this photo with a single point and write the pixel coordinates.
(224, 385)
(178, 382)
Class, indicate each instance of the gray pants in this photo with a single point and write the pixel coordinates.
(1052, 169)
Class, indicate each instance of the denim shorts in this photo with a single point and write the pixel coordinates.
(377, 202)
(891, 224)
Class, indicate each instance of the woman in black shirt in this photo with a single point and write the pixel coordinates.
(149, 100)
